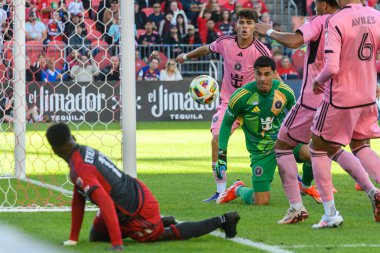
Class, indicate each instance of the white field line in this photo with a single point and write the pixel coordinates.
(249, 243)
(361, 245)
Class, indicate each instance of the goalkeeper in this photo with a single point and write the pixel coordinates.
(261, 106)
(127, 206)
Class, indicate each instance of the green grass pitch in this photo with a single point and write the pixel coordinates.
(173, 159)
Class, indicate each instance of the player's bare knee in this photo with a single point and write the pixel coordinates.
(354, 144)
(282, 145)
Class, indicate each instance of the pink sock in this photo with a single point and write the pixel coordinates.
(287, 166)
(322, 174)
(369, 160)
(352, 166)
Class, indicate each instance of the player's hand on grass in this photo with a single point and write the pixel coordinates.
(116, 248)
(69, 243)
(221, 164)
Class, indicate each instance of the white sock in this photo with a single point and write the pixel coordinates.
(296, 206)
(329, 207)
(221, 187)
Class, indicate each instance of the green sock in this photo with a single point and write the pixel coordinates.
(246, 194)
(307, 176)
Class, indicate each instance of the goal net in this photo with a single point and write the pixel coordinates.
(59, 63)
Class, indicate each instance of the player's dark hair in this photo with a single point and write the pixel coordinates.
(58, 134)
(332, 3)
(248, 14)
(265, 61)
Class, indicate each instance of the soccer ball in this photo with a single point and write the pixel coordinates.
(204, 89)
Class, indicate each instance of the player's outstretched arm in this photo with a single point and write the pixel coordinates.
(291, 40)
(198, 52)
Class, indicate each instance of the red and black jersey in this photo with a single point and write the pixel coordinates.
(95, 176)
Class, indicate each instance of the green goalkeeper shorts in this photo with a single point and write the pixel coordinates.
(263, 167)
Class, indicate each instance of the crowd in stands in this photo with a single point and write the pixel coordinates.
(65, 40)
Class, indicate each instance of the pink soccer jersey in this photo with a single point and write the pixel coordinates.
(238, 63)
(352, 41)
(313, 34)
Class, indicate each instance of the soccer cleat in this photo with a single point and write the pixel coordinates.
(311, 191)
(357, 187)
(229, 224)
(212, 198)
(330, 221)
(376, 206)
(229, 194)
(294, 216)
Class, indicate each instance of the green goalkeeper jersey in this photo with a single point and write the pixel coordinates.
(262, 115)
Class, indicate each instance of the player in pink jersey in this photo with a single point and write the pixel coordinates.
(297, 125)
(240, 53)
(348, 112)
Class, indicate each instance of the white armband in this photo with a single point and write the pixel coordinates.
(184, 57)
(269, 32)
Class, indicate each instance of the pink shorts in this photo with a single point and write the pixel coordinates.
(343, 125)
(217, 120)
(297, 126)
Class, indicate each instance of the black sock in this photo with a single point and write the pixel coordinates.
(189, 230)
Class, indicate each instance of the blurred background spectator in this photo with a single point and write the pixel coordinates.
(286, 69)
(191, 37)
(86, 69)
(112, 72)
(35, 30)
(157, 16)
(150, 72)
(170, 73)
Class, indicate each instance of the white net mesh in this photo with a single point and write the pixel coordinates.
(71, 67)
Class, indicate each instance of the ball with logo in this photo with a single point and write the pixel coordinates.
(204, 89)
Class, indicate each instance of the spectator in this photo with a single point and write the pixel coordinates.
(259, 4)
(173, 37)
(103, 6)
(140, 17)
(286, 70)
(157, 55)
(150, 72)
(44, 9)
(75, 21)
(35, 30)
(204, 16)
(112, 12)
(170, 73)
(111, 73)
(139, 63)
(191, 37)
(176, 11)
(225, 26)
(166, 5)
(181, 25)
(165, 24)
(38, 67)
(149, 37)
(114, 32)
(62, 10)
(72, 60)
(29, 76)
(216, 12)
(51, 74)
(156, 16)
(147, 3)
(212, 32)
(266, 19)
(78, 41)
(76, 7)
(238, 7)
(55, 28)
(7, 113)
(230, 6)
(85, 70)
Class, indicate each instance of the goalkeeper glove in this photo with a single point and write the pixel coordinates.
(69, 243)
(221, 164)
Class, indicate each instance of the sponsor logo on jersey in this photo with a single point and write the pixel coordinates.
(266, 124)
(256, 109)
(258, 171)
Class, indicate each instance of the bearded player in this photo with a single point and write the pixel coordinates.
(239, 53)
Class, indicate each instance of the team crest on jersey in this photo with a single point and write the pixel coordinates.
(237, 66)
(215, 119)
(258, 171)
(278, 104)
